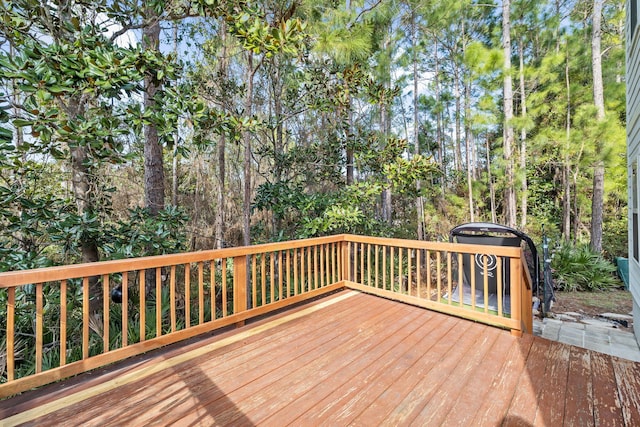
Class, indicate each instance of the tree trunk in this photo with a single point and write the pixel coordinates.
(523, 142)
(153, 161)
(439, 139)
(566, 200)
(349, 149)
(221, 148)
(468, 139)
(248, 108)
(456, 90)
(597, 202)
(176, 139)
(509, 193)
(416, 124)
(492, 191)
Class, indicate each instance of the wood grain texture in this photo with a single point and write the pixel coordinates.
(349, 359)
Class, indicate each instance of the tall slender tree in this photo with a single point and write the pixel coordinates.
(509, 136)
(597, 201)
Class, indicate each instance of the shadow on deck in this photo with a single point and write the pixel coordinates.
(350, 358)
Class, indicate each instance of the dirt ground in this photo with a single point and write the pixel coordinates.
(593, 303)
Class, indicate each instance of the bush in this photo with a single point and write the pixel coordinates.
(577, 268)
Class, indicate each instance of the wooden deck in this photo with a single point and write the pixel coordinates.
(354, 359)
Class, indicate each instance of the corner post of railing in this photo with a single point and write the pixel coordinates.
(527, 295)
(346, 259)
(515, 279)
(239, 285)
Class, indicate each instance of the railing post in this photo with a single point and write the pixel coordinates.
(515, 278)
(527, 303)
(346, 260)
(239, 285)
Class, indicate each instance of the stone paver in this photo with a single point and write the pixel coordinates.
(591, 334)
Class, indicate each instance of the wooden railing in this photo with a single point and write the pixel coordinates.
(53, 328)
(429, 274)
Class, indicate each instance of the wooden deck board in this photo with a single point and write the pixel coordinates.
(493, 409)
(310, 366)
(436, 409)
(606, 403)
(551, 400)
(477, 387)
(326, 396)
(351, 359)
(579, 401)
(238, 360)
(328, 366)
(529, 385)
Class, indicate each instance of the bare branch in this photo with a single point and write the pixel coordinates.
(362, 12)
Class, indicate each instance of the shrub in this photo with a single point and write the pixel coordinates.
(577, 268)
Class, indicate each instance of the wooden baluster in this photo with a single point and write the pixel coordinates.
(392, 272)
(143, 305)
(343, 261)
(409, 269)
(212, 288)
(485, 284)
(39, 328)
(254, 281)
(280, 278)
(200, 293)
(460, 280)
(400, 275)
(303, 275)
(224, 287)
(376, 265)
(499, 285)
(472, 269)
(105, 313)
(418, 271)
(449, 277)
(427, 262)
(361, 247)
(187, 295)
(288, 273)
(315, 267)
(263, 277)
(339, 255)
(125, 308)
(295, 271)
(439, 273)
(322, 269)
(85, 317)
(11, 320)
(159, 301)
(272, 270)
(63, 322)
(384, 267)
(309, 271)
(331, 264)
(172, 295)
(368, 264)
(328, 253)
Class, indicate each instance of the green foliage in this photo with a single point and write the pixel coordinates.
(577, 268)
(143, 234)
(404, 174)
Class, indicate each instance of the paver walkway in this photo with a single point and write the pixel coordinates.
(603, 339)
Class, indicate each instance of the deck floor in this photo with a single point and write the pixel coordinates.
(349, 359)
